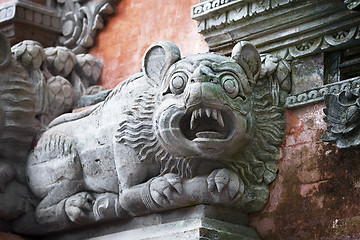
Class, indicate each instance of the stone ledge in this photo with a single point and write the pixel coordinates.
(192, 223)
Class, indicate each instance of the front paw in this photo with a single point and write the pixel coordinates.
(224, 183)
(165, 189)
(79, 207)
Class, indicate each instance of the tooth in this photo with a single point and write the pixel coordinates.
(196, 113)
(201, 112)
(192, 122)
(214, 114)
(220, 119)
(208, 112)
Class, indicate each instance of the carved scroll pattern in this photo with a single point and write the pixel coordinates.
(80, 22)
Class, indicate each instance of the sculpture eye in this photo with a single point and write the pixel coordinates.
(178, 82)
(230, 85)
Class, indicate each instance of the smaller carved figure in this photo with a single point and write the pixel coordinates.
(33, 91)
(196, 130)
(343, 118)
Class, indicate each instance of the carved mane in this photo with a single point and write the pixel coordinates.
(257, 163)
(137, 132)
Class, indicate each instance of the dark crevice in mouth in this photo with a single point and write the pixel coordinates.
(205, 123)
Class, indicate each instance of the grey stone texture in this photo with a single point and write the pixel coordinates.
(31, 96)
(203, 129)
(195, 223)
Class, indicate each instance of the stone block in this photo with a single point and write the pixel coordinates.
(191, 223)
(307, 73)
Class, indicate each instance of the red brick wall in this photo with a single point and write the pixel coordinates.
(135, 26)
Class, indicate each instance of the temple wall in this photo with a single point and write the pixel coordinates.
(138, 24)
(314, 195)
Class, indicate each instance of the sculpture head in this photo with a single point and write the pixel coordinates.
(204, 105)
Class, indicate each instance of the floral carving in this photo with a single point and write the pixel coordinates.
(81, 19)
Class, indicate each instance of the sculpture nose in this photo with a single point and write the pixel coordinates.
(202, 74)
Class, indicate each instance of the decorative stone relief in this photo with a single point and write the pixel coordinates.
(228, 8)
(203, 129)
(307, 28)
(316, 95)
(342, 116)
(34, 91)
(81, 19)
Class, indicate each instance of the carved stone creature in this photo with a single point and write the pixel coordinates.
(196, 130)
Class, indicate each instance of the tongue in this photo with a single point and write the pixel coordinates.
(209, 134)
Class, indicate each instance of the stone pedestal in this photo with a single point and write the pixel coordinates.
(192, 223)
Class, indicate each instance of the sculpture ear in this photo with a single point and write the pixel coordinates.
(247, 56)
(5, 51)
(157, 60)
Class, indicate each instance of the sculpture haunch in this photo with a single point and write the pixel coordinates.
(182, 132)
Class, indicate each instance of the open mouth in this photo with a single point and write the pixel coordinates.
(205, 123)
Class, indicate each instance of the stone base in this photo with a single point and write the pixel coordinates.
(192, 223)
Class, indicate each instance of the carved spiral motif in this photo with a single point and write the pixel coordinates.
(80, 21)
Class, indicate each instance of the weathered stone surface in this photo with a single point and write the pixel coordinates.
(342, 116)
(197, 130)
(314, 195)
(195, 223)
(307, 73)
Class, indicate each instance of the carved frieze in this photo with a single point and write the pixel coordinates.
(290, 30)
(225, 24)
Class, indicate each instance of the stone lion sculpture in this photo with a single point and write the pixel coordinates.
(184, 131)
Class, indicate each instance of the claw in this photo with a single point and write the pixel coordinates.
(220, 186)
(167, 193)
(211, 184)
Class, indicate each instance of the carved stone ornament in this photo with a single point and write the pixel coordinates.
(343, 118)
(203, 129)
(81, 19)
